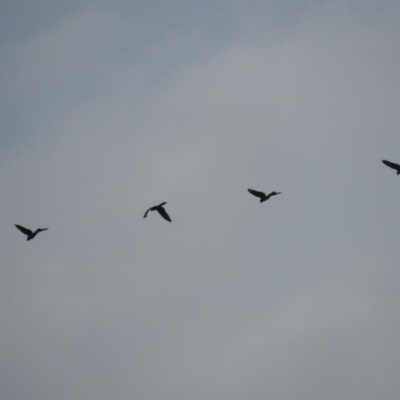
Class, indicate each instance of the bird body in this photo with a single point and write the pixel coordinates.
(30, 235)
(161, 210)
(392, 165)
(262, 196)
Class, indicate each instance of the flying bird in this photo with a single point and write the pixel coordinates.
(392, 165)
(30, 235)
(160, 210)
(262, 196)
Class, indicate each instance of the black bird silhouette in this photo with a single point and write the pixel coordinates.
(30, 235)
(262, 196)
(392, 165)
(160, 210)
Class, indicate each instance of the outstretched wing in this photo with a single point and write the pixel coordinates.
(43, 229)
(163, 213)
(391, 165)
(257, 194)
(26, 231)
(145, 214)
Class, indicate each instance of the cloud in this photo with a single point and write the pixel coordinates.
(292, 299)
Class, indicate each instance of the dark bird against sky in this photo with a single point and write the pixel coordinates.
(30, 235)
(262, 196)
(392, 165)
(160, 210)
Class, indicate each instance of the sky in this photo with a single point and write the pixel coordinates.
(110, 107)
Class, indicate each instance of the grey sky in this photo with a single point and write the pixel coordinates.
(108, 108)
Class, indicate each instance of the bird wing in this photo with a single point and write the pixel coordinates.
(257, 194)
(145, 214)
(26, 231)
(43, 229)
(391, 165)
(163, 213)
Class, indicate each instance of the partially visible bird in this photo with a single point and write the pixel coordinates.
(160, 210)
(392, 165)
(262, 196)
(30, 235)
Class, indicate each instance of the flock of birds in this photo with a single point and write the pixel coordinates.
(161, 210)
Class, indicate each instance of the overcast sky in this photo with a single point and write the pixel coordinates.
(110, 107)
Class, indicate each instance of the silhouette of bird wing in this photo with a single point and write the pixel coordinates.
(391, 165)
(26, 231)
(163, 213)
(257, 194)
(145, 214)
(42, 229)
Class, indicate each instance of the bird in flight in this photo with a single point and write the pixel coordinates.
(160, 210)
(30, 235)
(262, 196)
(392, 165)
